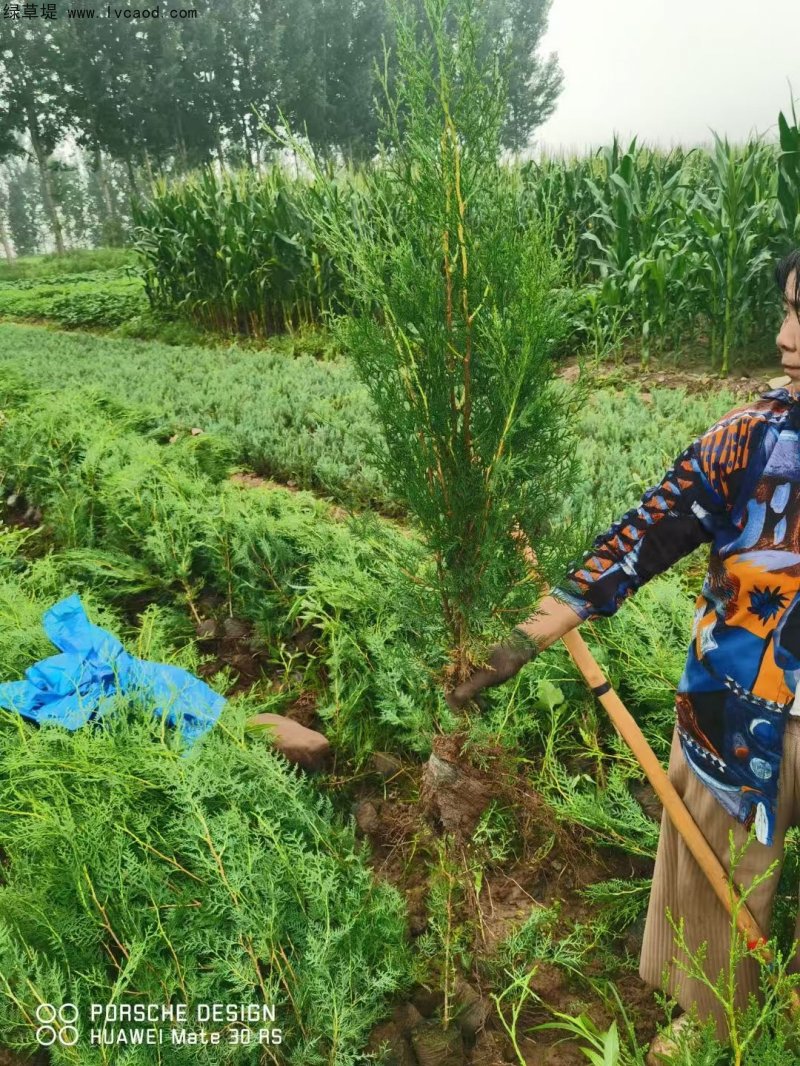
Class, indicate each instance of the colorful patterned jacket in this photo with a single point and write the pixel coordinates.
(736, 487)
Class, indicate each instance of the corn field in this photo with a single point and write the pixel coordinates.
(668, 249)
(237, 253)
(674, 248)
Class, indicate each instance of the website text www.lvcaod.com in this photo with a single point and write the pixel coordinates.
(136, 12)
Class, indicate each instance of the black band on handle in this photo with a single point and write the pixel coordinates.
(600, 690)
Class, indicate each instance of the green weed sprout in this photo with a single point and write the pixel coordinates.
(745, 1026)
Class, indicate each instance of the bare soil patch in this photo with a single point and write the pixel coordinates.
(744, 384)
(402, 809)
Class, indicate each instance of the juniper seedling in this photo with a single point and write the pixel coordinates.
(134, 872)
(460, 305)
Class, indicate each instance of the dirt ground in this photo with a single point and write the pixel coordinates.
(403, 809)
(744, 384)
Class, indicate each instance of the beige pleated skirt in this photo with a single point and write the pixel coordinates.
(680, 885)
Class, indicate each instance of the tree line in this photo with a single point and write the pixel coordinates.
(142, 97)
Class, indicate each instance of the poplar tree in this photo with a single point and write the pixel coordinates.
(461, 303)
(31, 74)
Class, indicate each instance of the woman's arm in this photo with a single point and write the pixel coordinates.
(549, 622)
(681, 512)
(673, 518)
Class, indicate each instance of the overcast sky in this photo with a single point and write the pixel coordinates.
(670, 70)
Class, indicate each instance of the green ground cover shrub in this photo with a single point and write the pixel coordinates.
(139, 514)
(627, 443)
(132, 874)
(32, 580)
(130, 511)
(577, 761)
(298, 419)
(306, 421)
(103, 298)
(76, 261)
(23, 600)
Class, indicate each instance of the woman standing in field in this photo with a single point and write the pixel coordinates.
(735, 756)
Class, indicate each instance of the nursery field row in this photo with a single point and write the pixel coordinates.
(221, 876)
(98, 289)
(100, 298)
(311, 422)
(158, 541)
(36, 268)
(274, 603)
(105, 503)
(138, 516)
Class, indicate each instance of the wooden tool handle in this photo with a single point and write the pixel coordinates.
(673, 804)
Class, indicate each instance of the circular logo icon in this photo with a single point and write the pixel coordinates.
(45, 1035)
(66, 1033)
(68, 1012)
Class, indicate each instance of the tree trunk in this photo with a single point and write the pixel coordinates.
(182, 147)
(220, 154)
(149, 167)
(257, 141)
(44, 177)
(247, 144)
(105, 188)
(9, 251)
(131, 175)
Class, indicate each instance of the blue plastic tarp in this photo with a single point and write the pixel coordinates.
(67, 689)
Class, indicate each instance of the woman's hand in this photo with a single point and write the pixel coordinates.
(504, 661)
(549, 623)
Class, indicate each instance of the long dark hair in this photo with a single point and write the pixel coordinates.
(784, 268)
